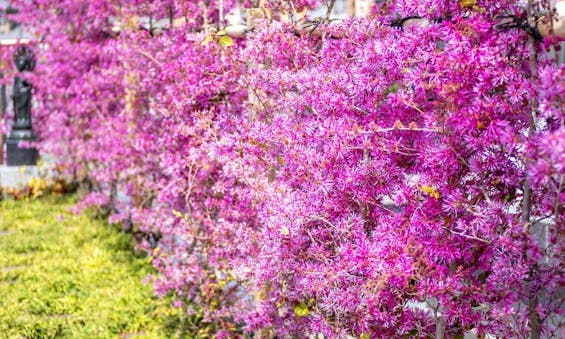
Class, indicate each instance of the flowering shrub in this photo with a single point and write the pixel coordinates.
(370, 180)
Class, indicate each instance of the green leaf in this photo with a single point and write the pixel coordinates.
(301, 310)
(225, 41)
(468, 3)
(393, 88)
(206, 41)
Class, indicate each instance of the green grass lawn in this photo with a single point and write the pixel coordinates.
(71, 276)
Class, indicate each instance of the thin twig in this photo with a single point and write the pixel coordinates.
(292, 12)
(329, 11)
(324, 220)
(157, 62)
(472, 237)
(412, 129)
(414, 106)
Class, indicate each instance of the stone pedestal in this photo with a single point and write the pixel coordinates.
(20, 156)
(17, 177)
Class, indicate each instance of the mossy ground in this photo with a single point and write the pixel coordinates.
(71, 276)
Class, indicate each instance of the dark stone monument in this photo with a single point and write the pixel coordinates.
(24, 59)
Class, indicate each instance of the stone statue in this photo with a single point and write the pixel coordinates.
(24, 60)
(17, 155)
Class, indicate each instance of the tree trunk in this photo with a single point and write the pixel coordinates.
(535, 323)
(440, 327)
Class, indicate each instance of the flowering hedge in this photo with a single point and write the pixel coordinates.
(369, 180)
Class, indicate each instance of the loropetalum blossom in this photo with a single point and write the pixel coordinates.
(364, 182)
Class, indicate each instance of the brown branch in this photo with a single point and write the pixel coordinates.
(221, 14)
(329, 11)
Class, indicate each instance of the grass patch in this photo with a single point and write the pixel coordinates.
(71, 276)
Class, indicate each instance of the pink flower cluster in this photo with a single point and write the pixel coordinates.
(368, 181)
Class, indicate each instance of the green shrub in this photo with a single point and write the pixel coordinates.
(70, 276)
